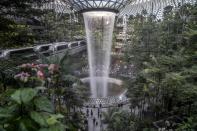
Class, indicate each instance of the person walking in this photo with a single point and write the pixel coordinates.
(87, 112)
(98, 112)
(91, 112)
(94, 120)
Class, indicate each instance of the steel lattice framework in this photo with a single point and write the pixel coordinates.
(124, 7)
(58, 5)
(106, 102)
(151, 6)
(89, 5)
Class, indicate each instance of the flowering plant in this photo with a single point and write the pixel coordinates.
(22, 76)
(36, 74)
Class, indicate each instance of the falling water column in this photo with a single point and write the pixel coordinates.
(99, 29)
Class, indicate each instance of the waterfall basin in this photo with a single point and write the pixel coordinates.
(116, 93)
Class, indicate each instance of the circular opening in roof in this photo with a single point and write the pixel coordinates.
(98, 13)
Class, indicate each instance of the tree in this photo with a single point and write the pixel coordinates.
(117, 120)
(165, 65)
(61, 27)
(27, 110)
(67, 91)
(14, 17)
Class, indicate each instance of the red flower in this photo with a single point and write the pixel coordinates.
(40, 74)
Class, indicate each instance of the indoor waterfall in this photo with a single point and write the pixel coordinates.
(99, 30)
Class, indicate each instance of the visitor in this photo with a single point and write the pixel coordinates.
(167, 124)
(98, 112)
(91, 112)
(87, 112)
(94, 120)
(85, 121)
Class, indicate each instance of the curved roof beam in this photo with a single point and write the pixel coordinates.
(151, 6)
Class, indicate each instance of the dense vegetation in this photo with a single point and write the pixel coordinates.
(14, 16)
(164, 90)
(164, 56)
(27, 22)
(44, 96)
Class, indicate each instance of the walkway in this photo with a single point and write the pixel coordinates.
(95, 119)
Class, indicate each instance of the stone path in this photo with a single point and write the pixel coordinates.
(94, 119)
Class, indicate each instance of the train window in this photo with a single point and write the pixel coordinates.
(74, 44)
(83, 43)
(62, 47)
(22, 52)
(44, 48)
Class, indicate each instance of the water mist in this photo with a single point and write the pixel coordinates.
(99, 29)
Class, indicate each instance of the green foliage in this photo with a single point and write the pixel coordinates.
(61, 27)
(65, 91)
(28, 110)
(68, 87)
(24, 95)
(43, 105)
(164, 56)
(14, 16)
(118, 120)
(15, 34)
(189, 125)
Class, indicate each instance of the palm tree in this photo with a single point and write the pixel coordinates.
(117, 120)
(67, 91)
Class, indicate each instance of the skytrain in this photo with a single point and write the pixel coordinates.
(45, 49)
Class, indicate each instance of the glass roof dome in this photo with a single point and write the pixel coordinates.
(122, 7)
(90, 5)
